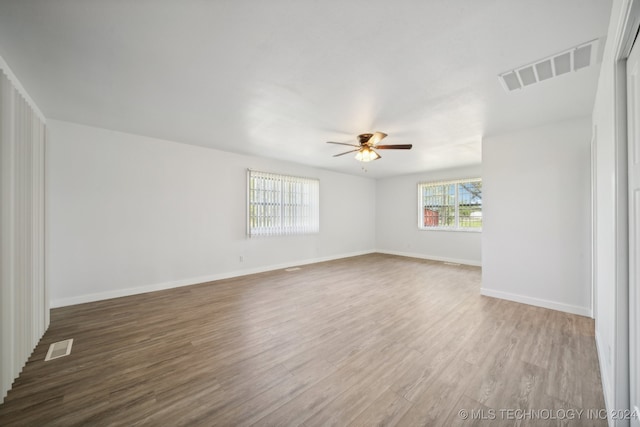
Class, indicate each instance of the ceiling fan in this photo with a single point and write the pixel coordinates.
(367, 143)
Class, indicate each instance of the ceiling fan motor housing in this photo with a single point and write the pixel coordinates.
(364, 138)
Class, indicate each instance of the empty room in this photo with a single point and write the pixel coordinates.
(357, 213)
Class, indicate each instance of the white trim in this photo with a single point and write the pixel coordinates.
(538, 302)
(628, 28)
(604, 378)
(594, 220)
(451, 181)
(81, 299)
(14, 80)
(431, 257)
(625, 31)
(626, 48)
(462, 229)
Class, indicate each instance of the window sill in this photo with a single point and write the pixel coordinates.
(463, 230)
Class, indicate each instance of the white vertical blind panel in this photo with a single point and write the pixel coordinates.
(7, 260)
(24, 308)
(281, 204)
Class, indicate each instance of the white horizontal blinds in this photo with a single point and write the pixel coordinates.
(282, 204)
(23, 299)
(450, 204)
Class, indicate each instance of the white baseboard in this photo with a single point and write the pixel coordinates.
(538, 302)
(604, 378)
(432, 257)
(99, 296)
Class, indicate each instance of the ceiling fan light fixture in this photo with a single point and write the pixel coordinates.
(366, 144)
(366, 154)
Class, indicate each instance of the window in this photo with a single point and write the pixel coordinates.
(450, 205)
(281, 204)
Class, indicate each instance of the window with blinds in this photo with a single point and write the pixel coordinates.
(450, 205)
(281, 204)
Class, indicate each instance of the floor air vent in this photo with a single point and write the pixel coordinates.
(572, 59)
(59, 349)
(292, 269)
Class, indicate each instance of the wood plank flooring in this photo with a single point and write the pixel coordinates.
(370, 340)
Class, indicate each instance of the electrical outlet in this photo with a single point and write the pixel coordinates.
(241, 258)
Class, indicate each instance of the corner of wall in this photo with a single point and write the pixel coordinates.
(538, 302)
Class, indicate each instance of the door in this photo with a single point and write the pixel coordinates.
(633, 123)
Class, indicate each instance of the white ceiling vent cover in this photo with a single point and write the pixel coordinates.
(59, 349)
(572, 59)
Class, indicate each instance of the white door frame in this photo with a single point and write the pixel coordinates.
(632, 23)
(623, 42)
(633, 130)
(594, 222)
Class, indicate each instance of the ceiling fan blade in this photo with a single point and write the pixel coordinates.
(343, 143)
(346, 152)
(376, 138)
(395, 147)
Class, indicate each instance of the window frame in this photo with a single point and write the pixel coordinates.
(456, 226)
(305, 212)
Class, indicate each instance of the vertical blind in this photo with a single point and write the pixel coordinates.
(24, 306)
(282, 204)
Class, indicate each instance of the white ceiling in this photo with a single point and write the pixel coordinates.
(279, 78)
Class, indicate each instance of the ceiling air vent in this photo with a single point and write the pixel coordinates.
(572, 59)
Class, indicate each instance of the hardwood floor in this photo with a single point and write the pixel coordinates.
(371, 340)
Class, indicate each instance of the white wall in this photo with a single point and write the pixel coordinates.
(129, 214)
(536, 213)
(611, 284)
(397, 221)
